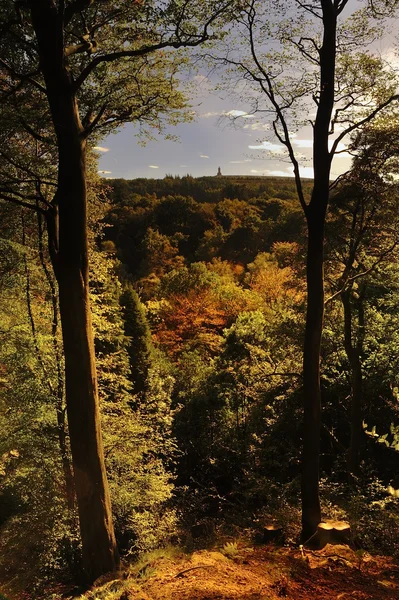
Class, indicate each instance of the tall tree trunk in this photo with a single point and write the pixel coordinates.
(315, 213)
(98, 540)
(70, 260)
(353, 353)
(311, 512)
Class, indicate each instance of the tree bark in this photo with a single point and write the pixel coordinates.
(70, 261)
(315, 213)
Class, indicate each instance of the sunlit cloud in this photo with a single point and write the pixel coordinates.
(309, 144)
(101, 149)
(255, 171)
(338, 127)
(104, 172)
(209, 114)
(203, 156)
(153, 167)
(238, 113)
(278, 173)
(303, 143)
(269, 146)
(240, 162)
(183, 166)
(303, 171)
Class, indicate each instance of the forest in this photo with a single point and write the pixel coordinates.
(198, 375)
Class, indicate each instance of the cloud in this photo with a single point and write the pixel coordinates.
(240, 162)
(278, 173)
(153, 167)
(257, 126)
(309, 144)
(201, 79)
(256, 171)
(268, 146)
(303, 143)
(340, 148)
(238, 113)
(183, 166)
(338, 127)
(209, 114)
(203, 156)
(104, 172)
(101, 149)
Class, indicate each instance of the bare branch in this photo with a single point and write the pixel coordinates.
(362, 122)
(310, 8)
(269, 91)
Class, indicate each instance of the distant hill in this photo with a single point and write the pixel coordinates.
(210, 189)
(156, 224)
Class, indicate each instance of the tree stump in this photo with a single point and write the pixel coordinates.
(329, 532)
(272, 533)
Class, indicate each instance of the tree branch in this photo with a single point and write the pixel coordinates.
(367, 119)
(75, 7)
(22, 77)
(363, 273)
(192, 41)
(20, 202)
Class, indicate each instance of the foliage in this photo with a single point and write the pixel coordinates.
(214, 431)
(230, 550)
(136, 428)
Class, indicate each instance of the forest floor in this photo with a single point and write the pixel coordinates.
(238, 572)
(259, 573)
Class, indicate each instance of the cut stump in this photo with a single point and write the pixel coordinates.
(272, 533)
(330, 532)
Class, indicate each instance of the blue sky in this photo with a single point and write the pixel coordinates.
(245, 147)
(242, 147)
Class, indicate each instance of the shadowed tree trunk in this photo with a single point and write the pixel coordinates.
(315, 213)
(69, 253)
(311, 513)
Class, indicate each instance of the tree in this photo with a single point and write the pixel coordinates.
(363, 236)
(288, 64)
(140, 348)
(71, 70)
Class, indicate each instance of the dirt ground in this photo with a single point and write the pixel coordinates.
(267, 573)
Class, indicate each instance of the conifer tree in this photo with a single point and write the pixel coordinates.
(140, 347)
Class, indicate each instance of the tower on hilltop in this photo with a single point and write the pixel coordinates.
(219, 173)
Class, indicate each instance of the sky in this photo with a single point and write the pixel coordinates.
(218, 137)
(221, 135)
